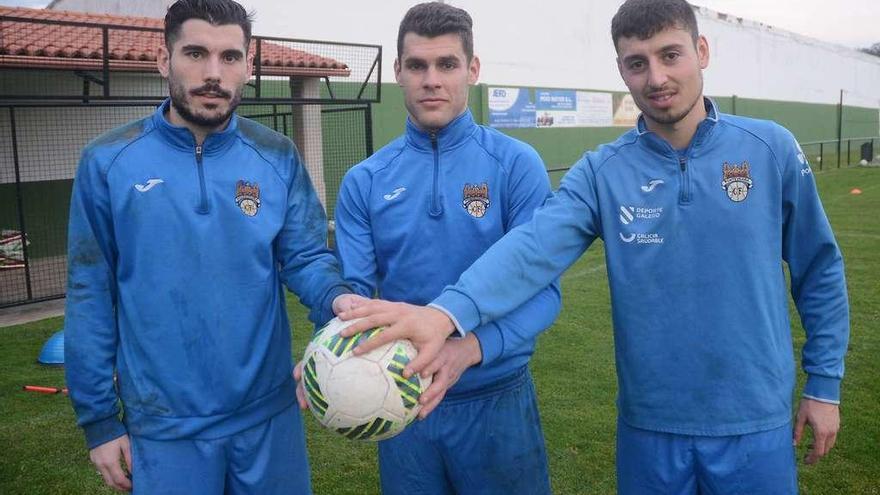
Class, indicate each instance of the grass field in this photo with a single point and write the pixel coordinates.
(43, 452)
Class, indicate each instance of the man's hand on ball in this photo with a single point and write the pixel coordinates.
(347, 302)
(427, 328)
(300, 389)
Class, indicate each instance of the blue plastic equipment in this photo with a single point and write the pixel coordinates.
(53, 350)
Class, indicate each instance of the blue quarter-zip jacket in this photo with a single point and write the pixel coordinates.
(177, 256)
(694, 245)
(412, 217)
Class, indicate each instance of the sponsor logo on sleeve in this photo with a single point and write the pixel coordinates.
(800, 155)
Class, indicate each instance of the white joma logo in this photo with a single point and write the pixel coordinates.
(652, 184)
(149, 185)
(395, 193)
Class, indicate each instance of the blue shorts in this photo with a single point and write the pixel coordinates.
(486, 442)
(269, 458)
(650, 462)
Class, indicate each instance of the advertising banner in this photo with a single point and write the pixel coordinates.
(511, 107)
(515, 108)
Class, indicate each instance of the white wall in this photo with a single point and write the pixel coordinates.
(50, 140)
(566, 44)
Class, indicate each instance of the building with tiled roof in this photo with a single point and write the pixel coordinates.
(74, 40)
(72, 72)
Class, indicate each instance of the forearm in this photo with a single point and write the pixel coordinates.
(90, 347)
(90, 361)
(820, 295)
(528, 258)
(307, 266)
(91, 332)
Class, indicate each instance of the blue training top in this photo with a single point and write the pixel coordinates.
(177, 255)
(412, 217)
(694, 246)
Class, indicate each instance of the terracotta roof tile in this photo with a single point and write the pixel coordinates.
(33, 45)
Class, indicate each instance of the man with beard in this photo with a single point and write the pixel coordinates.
(183, 228)
(697, 210)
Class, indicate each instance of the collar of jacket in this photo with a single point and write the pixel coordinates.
(181, 137)
(704, 130)
(454, 134)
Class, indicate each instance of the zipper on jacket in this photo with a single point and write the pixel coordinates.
(685, 195)
(436, 209)
(203, 190)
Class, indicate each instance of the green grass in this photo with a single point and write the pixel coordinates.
(43, 452)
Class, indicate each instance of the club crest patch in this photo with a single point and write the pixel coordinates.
(247, 197)
(475, 199)
(736, 181)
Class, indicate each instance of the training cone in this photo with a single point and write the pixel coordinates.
(856, 190)
(53, 350)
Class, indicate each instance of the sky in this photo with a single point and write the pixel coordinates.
(36, 4)
(852, 23)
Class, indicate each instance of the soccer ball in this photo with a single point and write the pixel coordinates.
(361, 397)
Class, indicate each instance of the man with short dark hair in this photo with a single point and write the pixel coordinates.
(183, 228)
(698, 211)
(414, 216)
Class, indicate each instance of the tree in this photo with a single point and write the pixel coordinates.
(872, 50)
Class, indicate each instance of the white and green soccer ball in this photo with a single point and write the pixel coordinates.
(361, 397)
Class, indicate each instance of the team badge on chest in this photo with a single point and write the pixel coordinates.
(247, 197)
(736, 181)
(476, 199)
